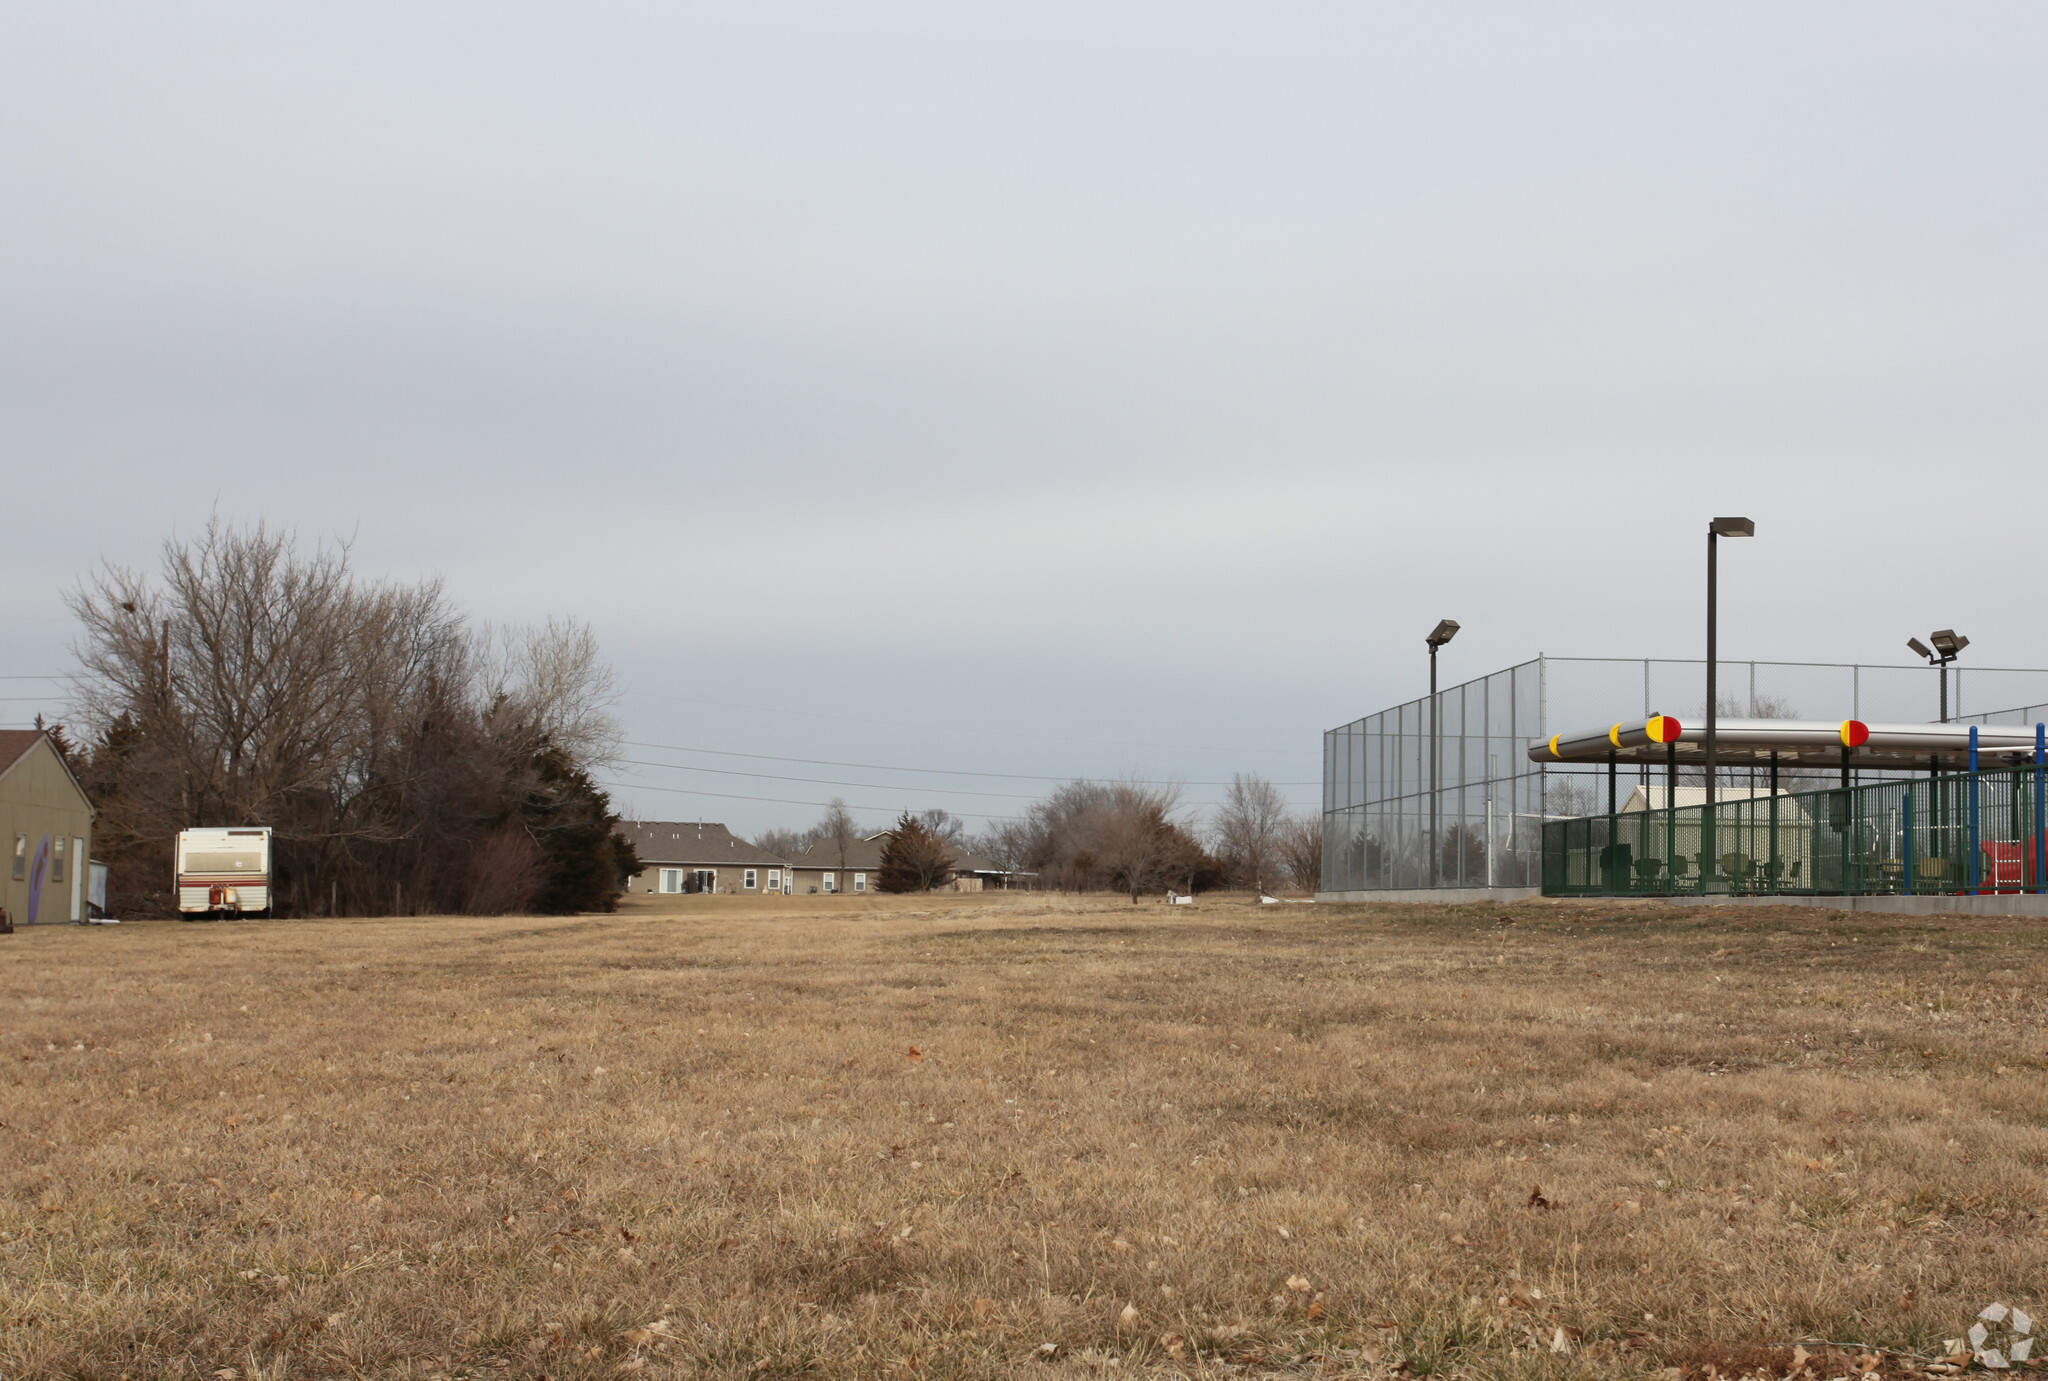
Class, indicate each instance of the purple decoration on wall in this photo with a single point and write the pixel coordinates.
(35, 878)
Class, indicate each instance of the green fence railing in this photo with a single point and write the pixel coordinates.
(1961, 833)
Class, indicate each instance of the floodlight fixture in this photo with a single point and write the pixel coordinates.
(1445, 630)
(1947, 644)
(1732, 527)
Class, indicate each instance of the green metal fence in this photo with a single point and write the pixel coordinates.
(1960, 833)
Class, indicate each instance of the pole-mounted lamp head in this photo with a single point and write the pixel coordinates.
(1922, 648)
(1445, 630)
(1732, 527)
(1947, 642)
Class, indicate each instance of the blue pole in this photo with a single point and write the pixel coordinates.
(1976, 864)
(2040, 808)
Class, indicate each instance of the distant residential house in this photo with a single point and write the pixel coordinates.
(973, 873)
(701, 857)
(826, 867)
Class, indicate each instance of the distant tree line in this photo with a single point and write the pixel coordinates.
(1123, 835)
(407, 760)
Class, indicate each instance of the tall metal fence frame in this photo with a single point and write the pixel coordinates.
(1385, 829)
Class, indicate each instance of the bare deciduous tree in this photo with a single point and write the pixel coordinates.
(1248, 830)
(836, 829)
(1301, 851)
(1120, 834)
(945, 825)
(783, 843)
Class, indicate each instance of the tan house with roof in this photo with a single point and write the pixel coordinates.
(827, 867)
(830, 866)
(46, 829)
(701, 857)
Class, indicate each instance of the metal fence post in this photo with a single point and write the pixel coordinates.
(1976, 860)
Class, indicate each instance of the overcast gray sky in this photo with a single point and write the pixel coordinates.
(1040, 388)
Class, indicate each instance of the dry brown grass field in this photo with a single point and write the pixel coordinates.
(981, 1136)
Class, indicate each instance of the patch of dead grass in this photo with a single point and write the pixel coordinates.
(691, 1140)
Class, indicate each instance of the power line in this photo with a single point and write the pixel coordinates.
(783, 801)
(884, 767)
(823, 781)
(996, 733)
(827, 781)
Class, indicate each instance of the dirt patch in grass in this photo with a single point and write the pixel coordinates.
(984, 1136)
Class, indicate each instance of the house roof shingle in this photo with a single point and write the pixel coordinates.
(14, 745)
(669, 842)
(864, 854)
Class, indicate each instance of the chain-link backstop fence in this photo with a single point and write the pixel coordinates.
(1442, 794)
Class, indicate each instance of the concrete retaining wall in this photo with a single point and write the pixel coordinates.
(1436, 896)
(2021, 904)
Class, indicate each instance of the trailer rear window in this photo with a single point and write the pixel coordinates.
(223, 862)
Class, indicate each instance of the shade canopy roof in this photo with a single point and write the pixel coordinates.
(1813, 742)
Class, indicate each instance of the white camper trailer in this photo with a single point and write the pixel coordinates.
(224, 872)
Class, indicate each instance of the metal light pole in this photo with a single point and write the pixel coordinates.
(1716, 530)
(1445, 630)
(1947, 644)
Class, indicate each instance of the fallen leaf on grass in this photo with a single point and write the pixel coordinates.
(915, 1056)
(1536, 1199)
(1176, 1346)
(1129, 1317)
(1299, 1284)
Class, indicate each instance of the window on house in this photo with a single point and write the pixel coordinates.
(707, 879)
(775, 879)
(860, 882)
(20, 857)
(671, 879)
(750, 879)
(831, 879)
(57, 861)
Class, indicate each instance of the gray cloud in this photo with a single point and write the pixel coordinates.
(1155, 377)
